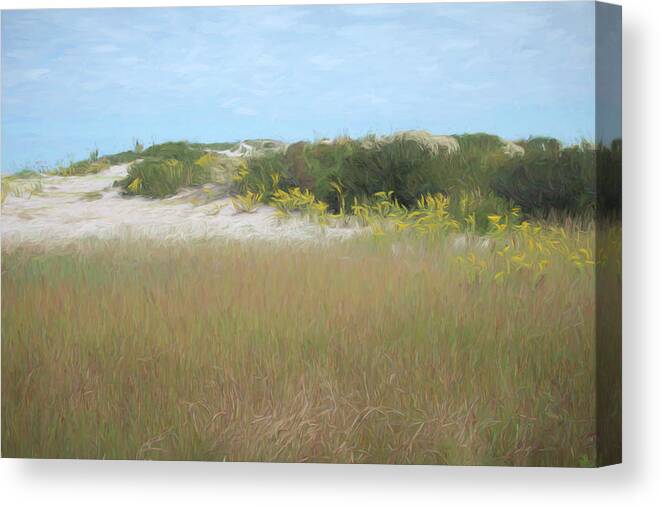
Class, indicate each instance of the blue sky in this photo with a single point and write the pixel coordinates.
(73, 80)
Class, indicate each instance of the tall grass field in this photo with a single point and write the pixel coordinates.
(372, 350)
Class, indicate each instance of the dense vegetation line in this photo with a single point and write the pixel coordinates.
(538, 175)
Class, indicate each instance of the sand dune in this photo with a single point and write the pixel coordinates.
(75, 207)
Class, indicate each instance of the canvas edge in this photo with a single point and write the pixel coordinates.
(608, 275)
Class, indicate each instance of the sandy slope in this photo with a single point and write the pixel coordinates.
(76, 207)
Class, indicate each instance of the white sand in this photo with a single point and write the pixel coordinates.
(63, 214)
(241, 151)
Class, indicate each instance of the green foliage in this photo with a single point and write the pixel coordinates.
(479, 143)
(181, 151)
(264, 174)
(287, 202)
(168, 167)
(25, 173)
(321, 166)
(472, 209)
(551, 179)
(480, 172)
(541, 144)
(160, 178)
(213, 146)
(586, 462)
(84, 167)
(409, 165)
(403, 166)
(123, 157)
(20, 187)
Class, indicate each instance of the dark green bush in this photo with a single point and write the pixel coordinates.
(477, 172)
(310, 166)
(320, 166)
(541, 145)
(404, 166)
(549, 180)
(479, 143)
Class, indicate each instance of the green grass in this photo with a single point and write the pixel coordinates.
(373, 350)
(161, 178)
(123, 157)
(215, 146)
(21, 186)
(547, 178)
(83, 167)
(181, 151)
(24, 173)
(166, 168)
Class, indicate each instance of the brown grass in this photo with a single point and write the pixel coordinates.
(256, 352)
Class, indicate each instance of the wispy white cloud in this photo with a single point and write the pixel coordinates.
(240, 72)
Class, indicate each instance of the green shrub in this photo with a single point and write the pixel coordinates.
(84, 167)
(541, 145)
(264, 174)
(480, 172)
(319, 167)
(181, 150)
(472, 209)
(123, 157)
(479, 143)
(549, 180)
(404, 166)
(160, 178)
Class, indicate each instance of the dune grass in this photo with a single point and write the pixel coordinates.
(369, 350)
(164, 169)
(539, 174)
(22, 185)
(92, 165)
(83, 168)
